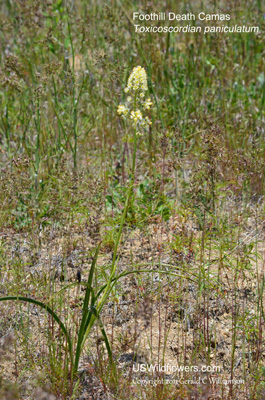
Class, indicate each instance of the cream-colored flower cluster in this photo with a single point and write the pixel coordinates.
(136, 103)
(137, 81)
(122, 110)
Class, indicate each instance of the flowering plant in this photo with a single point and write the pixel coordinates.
(136, 104)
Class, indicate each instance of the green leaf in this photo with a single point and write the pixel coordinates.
(49, 310)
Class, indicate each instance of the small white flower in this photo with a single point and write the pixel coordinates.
(147, 104)
(122, 110)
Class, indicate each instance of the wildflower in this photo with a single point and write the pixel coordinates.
(137, 81)
(135, 103)
(137, 117)
(147, 104)
(122, 110)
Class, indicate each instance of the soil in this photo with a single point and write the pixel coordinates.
(152, 318)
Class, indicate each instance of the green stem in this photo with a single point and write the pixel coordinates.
(108, 287)
(85, 313)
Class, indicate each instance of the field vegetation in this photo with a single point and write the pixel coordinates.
(125, 245)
